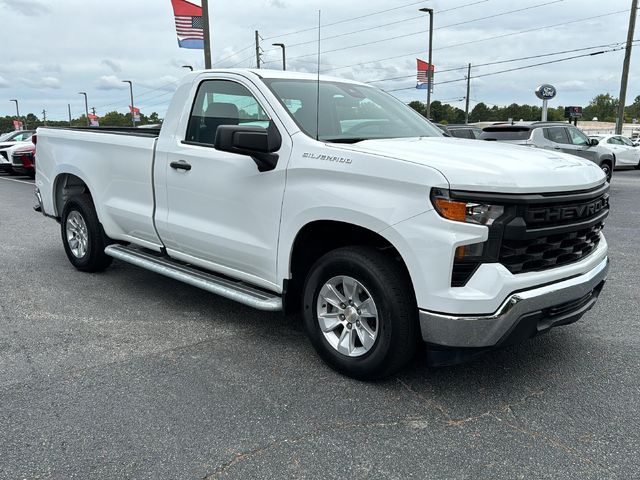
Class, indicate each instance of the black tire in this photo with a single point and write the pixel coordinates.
(608, 170)
(391, 290)
(94, 258)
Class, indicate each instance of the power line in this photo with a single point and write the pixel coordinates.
(235, 54)
(421, 32)
(346, 20)
(479, 40)
(421, 17)
(504, 61)
(242, 61)
(519, 68)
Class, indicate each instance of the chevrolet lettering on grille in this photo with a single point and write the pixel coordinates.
(569, 212)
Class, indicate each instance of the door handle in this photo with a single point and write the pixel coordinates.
(180, 165)
(557, 148)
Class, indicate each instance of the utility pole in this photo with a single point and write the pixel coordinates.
(284, 58)
(430, 69)
(207, 35)
(93, 110)
(466, 107)
(133, 118)
(257, 49)
(69, 107)
(86, 107)
(625, 67)
(44, 117)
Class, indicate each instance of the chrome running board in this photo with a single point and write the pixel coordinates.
(231, 289)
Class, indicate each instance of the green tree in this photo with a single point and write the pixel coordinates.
(418, 107)
(480, 113)
(633, 111)
(603, 106)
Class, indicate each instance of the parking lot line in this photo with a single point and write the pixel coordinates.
(16, 180)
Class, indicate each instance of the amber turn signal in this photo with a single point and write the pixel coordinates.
(451, 210)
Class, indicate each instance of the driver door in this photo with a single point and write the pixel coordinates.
(221, 213)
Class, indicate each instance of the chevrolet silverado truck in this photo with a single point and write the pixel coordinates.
(283, 191)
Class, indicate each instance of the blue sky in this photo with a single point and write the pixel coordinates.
(52, 50)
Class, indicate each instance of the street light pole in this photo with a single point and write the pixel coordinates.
(17, 110)
(284, 59)
(133, 118)
(429, 70)
(188, 66)
(86, 107)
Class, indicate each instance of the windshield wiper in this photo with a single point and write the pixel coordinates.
(345, 140)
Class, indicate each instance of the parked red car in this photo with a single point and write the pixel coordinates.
(23, 160)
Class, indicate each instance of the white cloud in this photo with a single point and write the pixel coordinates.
(77, 46)
(30, 8)
(114, 66)
(167, 83)
(50, 82)
(110, 82)
(42, 83)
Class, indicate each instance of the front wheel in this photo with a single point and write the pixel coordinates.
(82, 235)
(360, 312)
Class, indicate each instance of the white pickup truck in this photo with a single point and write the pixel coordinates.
(359, 212)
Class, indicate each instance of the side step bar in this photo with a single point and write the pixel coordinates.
(224, 287)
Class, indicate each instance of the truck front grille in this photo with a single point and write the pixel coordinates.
(553, 231)
(537, 231)
(521, 256)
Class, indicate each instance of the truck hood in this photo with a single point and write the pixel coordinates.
(478, 165)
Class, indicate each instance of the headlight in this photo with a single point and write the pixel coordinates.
(460, 211)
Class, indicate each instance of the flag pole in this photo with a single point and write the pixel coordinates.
(207, 37)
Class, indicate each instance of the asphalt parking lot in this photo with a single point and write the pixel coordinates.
(126, 374)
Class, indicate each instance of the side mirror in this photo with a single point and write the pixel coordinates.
(257, 142)
(593, 142)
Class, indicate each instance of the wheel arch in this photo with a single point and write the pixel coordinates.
(608, 158)
(65, 186)
(318, 237)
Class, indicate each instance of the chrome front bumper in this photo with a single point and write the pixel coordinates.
(521, 315)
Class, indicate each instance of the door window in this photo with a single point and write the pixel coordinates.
(614, 141)
(222, 102)
(556, 134)
(577, 137)
(625, 141)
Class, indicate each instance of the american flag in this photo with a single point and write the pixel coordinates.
(189, 27)
(189, 23)
(423, 67)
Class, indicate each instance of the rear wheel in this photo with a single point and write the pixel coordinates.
(82, 235)
(360, 312)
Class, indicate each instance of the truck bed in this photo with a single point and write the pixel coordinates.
(115, 162)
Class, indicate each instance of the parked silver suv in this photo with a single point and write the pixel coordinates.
(553, 136)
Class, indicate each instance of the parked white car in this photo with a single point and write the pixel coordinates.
(9, 142)
(627, 154)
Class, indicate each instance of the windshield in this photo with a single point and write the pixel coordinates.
(506, 133)
(9, 136)
(20, 136)
(349, 113)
